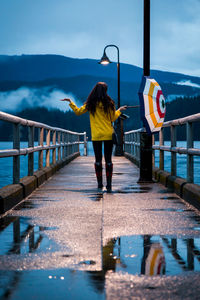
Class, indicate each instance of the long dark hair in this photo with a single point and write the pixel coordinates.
(99, 94)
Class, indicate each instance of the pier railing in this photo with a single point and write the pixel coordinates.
(61, 142)
(189, 150)
(132, 145)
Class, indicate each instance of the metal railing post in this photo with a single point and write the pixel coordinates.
(161, 152)
(132, 144)
(190, 159)
(31, 130)
(135, 139)
(67, 146)
(85, 144)
(73, 145)
(54, 149)
(59, 148)
(173, 154)
(63, 145)
(48, 138)
(77, 145)
(16, 159)
(153, 152)
(40, 143)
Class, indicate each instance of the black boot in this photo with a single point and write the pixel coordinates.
(109, 171)
(98, 170)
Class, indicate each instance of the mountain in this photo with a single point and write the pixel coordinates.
(29, 81)
(41, 67)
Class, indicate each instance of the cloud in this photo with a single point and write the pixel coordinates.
(188, 83)
(14, 101)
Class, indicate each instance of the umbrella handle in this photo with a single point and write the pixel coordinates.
(132, 106)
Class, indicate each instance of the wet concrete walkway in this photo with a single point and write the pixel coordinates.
(67, 240)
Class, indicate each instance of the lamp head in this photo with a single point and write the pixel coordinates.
(104, 60)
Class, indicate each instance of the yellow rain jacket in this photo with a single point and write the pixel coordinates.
(100, 122)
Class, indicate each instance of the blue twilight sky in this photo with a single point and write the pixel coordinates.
(81, 29)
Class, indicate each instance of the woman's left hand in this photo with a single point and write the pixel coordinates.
(123, 108)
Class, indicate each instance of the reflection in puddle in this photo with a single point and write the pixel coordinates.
(154, 255)
(18, 236)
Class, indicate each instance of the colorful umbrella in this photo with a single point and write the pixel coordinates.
(152, 105)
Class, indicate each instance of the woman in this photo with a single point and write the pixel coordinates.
(102, 113)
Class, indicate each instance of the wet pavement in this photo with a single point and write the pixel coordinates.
(68, 240)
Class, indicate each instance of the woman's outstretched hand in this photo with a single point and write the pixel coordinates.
(66, 99)
(123, 108)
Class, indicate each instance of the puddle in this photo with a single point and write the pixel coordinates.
(155, 255)
(19, 236)
(196, 218)
(138, 255)
(130, 190)
(170, 209)
(117, 173)
(196, 228)
(87, 262)
(36, 203)
(133, 189)
(96, 197)
(147, 188)
(166, 191)
(52, 284)
(170, 198)
(27, 205)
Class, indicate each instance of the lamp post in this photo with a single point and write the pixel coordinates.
(119, 123)
(145, 139)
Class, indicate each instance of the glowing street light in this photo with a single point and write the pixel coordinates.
(119, 124)
(105, 61)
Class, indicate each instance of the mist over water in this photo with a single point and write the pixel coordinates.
(24, 97)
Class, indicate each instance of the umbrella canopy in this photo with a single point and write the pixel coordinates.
(152, 105)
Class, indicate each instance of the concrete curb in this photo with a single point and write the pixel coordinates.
(12, 194)
(131, 158)
(40, 177)
(29, 184)
(190, 192)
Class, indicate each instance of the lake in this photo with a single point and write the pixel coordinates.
(6, 163)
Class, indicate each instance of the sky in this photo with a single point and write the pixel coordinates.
(82, 28)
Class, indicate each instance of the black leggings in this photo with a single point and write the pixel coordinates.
(108, 146)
